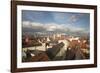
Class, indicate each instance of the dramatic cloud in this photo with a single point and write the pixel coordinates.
(28, 26)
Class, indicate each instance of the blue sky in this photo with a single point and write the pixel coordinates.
(66, 20)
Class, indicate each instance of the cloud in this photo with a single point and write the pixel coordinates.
(59, 16)
(47, 27)
(54, 27)
(75, 17)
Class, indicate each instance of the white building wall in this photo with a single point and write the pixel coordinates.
(41, 48)
(66, 43)
(62, 54)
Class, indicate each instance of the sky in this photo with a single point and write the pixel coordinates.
(55, 21)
